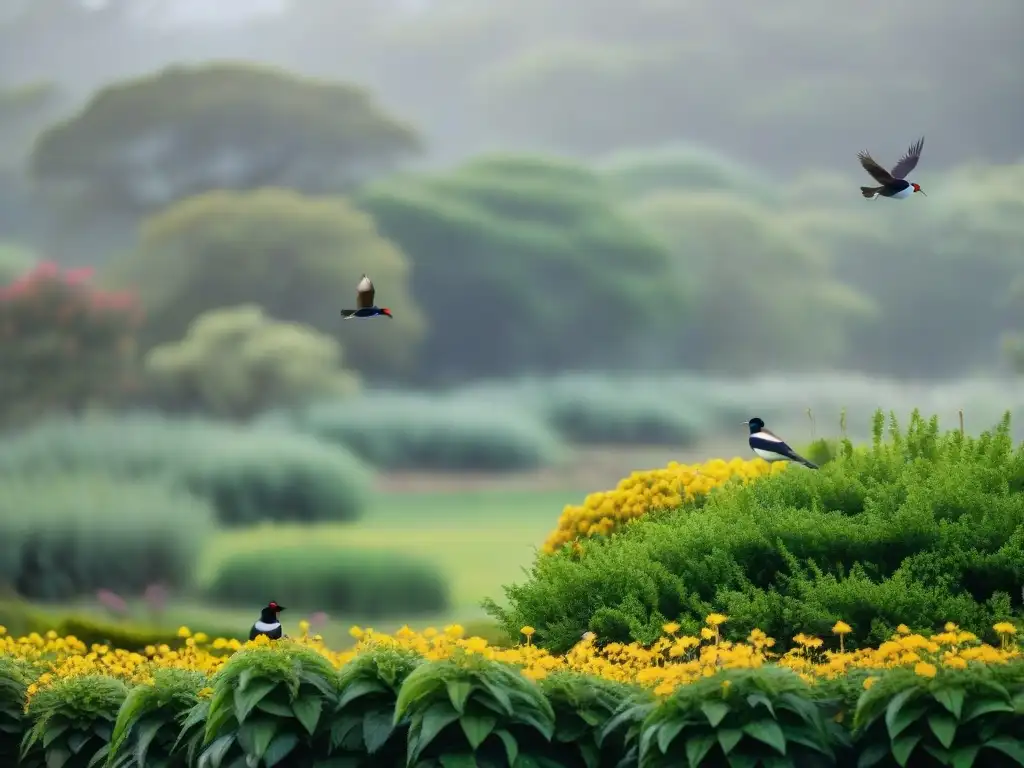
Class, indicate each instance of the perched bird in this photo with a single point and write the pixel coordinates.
(770, 446)
(269, 624)
(894, 183)
(364, 303)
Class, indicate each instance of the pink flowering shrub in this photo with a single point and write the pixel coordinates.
(64, 344)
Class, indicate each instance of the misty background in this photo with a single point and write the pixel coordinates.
(609, 231)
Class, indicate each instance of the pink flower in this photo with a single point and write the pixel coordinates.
(112, 602)
(78, 276)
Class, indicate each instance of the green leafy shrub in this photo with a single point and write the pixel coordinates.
(247, 475)
(741, 717)
(363, 728)
(236, 362)
(64, 344)
(150, 719)
(269, 704)
(920, 529)
(70, 535)
(583, 706)
(434, 433)
(364, 583)
(130, 636)
(468, 708)
(72, 722)
(15, 676)
(964, 718)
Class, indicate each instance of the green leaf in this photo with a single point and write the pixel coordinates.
(697, 748)
(279, 749)
(360, 688)
(728, 738)
(951, 698)
(214, 754)
(54, 731)
(1012, 748)
(984, 707)
(760, 700)
(378, 725)
(590, 753)
(250, 697)
(77, 740)
(307, 712)
(873, 755)
(438, 717)
(56, 757)
(963, 757)
(255, 735)
(99, 757)
(499, 695)
(668, 733)
(714, 711)
(511, 747)
(903, 746)
(768, 732)
(458, 761)
(902, 711)
(275, 708)
(458, 692)
(741, 760)
(477, 728)
(943, 725)
(145, 732)
(342, 727)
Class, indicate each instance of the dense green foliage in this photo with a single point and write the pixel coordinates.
(362, 582)
(236, 362)
(219, 126)
(920, 529)
(287, 706)
(513, 253)
(246, 475)
(402, 432)
(298, 258)
(69, 535)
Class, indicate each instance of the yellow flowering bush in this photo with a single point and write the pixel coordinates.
(397, 678)
(667, 488)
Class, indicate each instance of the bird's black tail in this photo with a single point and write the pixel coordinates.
(870, 192)
(348, 314)
(806, 463)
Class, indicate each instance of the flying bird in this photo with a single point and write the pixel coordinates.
(269, 624)
(364, 303)
(770, 446)
(893, 183)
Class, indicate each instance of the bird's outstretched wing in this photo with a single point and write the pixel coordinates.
(908, 162)
(364, 293)
(879, 173)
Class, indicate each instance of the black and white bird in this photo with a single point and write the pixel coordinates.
(365, 307)
(894, 184)
(269, 624)
(770, 446)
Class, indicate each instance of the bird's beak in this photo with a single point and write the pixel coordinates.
(922, 192)
(280, 608)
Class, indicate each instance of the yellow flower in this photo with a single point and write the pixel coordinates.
(868, 682)
(304, 627)
(902, 629)
(356, 632)
(841, 628)
(454, 631)
(184, 632)
(528, 631)
(924, 669)
(670, 629)
(715, 620)
(707, 633)
(3, 630)
(1003, 628)
(954, 662)
(200, 637)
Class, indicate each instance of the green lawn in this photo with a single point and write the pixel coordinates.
(480, 540)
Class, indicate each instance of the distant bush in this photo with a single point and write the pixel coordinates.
(922, 529)
(435, 433)
(236, 362)
(247, 475)
(359, 582)
(66, 536)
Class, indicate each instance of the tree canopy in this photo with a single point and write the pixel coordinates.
(298, 258)
(144, 143)
(524, 263)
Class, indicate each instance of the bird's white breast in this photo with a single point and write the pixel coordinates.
(766, 436)
(263, 627)
(904, 193)
(769, 455)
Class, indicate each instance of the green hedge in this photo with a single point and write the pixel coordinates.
(70, 535)
(286, 706)
(420, 432)
(248, 475)
(919, 529)
(366, 583)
